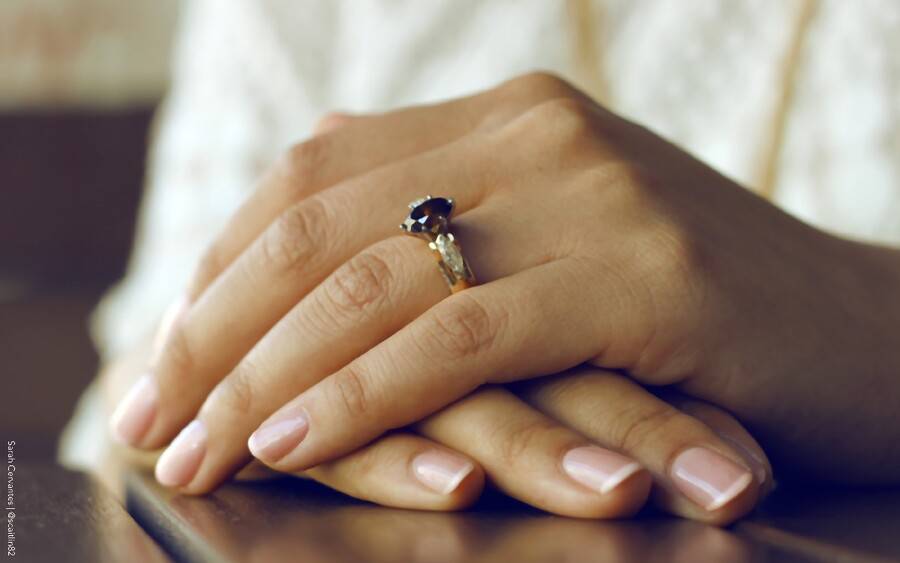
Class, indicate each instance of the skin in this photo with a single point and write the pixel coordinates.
(598, 246)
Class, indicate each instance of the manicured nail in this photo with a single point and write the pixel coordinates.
(135, 412)
(598, 468)
(274, 439)
(754, 462)
(440, 471)
(709, 478)
(181, 460)
(170, 317)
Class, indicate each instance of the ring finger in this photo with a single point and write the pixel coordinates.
(300, 249)
(373, 295)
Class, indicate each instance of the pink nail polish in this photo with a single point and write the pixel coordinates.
(135, 412)
(756, 463)
(708, 478)
(597, 468)
(276, 438)
(440, 471)
(181, 460)
(170, 318)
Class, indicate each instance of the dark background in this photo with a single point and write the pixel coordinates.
(70, 184)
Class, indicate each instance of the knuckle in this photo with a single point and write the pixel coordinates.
(566, 119)
(517, 443)
(364, 281)
(209, 267)
(299, 168)
(238, 391)
(463, 327)
(517, 96)
(295, 238)
(351, 392)
(235, 393)
(638, 431)
(542, 85)
(178, 358)
(564, 126)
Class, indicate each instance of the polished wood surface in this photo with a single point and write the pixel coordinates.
(297, 520)
(65, 516)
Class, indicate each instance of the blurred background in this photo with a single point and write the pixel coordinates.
(79, 82)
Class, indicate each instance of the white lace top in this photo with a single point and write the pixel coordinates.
(799, 99)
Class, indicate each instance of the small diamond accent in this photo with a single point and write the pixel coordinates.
(450, 254)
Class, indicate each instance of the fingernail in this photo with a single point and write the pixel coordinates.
(170, 317)
(181, 460)
(274, 439)
(135, 412)
(756, 464)
(597, 468)
(709, 478)
(440, 471)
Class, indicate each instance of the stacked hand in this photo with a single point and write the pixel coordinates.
(319, 338)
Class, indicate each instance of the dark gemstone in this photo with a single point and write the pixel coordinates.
(429, 214)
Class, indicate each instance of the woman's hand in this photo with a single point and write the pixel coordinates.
(552, 452)
(542, 449)
(594, 241)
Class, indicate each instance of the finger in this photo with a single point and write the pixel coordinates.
(537, 460)
(361, 303)
(492, 332)
(305, 245)
(364, 301)
(405, 471)
(733, 433)
(696, 474)
(296, 252)
(346, 146)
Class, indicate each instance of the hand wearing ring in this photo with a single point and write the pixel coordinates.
(429, 219)
(332, 345)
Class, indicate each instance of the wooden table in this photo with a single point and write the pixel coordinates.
(66, 516)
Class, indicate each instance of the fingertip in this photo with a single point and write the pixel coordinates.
(736, 437)
(132, 418)
(734, 510)
(181, 461)
(456, 479)
(620, 485)
(467, 491)
(625, 499)
(279, 435)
